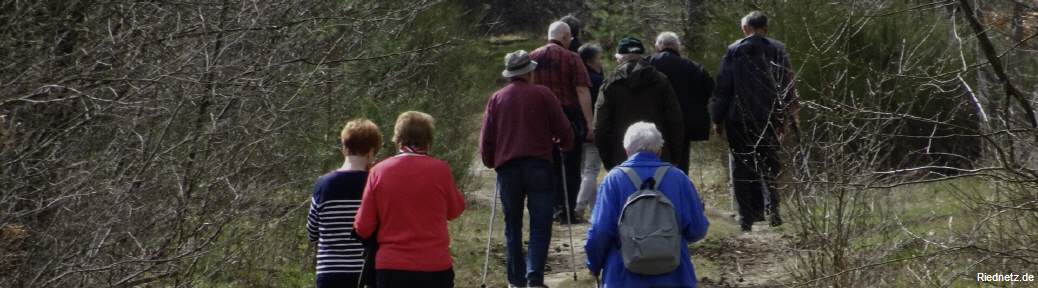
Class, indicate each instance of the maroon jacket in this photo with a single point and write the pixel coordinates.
(522, 120)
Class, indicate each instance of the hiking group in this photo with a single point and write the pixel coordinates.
(547, 133)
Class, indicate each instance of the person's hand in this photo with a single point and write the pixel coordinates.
(719, 129)
(590, 134)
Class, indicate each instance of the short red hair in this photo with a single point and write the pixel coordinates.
(360, 136)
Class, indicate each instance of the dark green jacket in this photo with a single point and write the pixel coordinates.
(636, 92)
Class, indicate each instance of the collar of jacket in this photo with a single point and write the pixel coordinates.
(518, 80)
(643, 159)
(671, 50)
(754, 36)
(412, 150)
(556, 42)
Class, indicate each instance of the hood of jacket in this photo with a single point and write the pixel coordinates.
(637, 74)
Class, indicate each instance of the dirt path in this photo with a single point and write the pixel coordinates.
(723, 259)
(726, 258)
(756, 259)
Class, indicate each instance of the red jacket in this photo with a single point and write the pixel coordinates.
(409, 198)
(521, 121)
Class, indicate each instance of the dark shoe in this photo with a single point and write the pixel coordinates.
(573, 219)
(776, 220)
(746, 226)
(577, 219)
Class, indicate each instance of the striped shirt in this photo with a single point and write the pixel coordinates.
(334, 203)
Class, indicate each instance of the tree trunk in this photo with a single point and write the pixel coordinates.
(996, 63)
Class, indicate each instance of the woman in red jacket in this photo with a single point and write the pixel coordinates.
(406, 205)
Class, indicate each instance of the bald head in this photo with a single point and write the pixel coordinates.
(559, 31)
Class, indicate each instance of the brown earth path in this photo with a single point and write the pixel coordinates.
(726, 258)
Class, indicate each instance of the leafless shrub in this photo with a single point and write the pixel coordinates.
(152, 141)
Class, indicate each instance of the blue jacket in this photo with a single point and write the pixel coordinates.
(603, 248)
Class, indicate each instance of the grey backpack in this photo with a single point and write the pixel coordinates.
(650, 237)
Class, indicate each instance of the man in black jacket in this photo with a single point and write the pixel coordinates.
(634, 92)
(754, 102)
(692, 85)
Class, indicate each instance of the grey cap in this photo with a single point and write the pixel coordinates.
(518, 63)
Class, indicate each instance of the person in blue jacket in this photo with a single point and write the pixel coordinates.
(642, 142)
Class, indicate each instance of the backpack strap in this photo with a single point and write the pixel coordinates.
(637, 181)
(633, 176)
(660, 172)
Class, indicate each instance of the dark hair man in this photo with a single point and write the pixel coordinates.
(591, 54)
(575, 26)
(753, 103)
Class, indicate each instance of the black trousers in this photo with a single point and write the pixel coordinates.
(682, 156)
(338, 280)
(405, 279)
(574, 161)
(755, 167)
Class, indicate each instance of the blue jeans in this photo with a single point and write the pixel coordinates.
(518, 179)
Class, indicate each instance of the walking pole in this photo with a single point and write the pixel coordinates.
(565, 195)
(701, 167)
(490, 235)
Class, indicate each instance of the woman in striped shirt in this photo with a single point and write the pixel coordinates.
(334, 204)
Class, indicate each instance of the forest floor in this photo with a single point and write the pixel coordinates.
(727, 257)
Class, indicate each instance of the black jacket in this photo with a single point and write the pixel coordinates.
(755, 86)
(693, 86)
(636, 92)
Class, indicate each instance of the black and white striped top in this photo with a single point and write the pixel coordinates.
(333, 205)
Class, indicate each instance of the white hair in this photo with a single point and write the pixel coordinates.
(668, 40)
(643, 136)
(558, 30)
